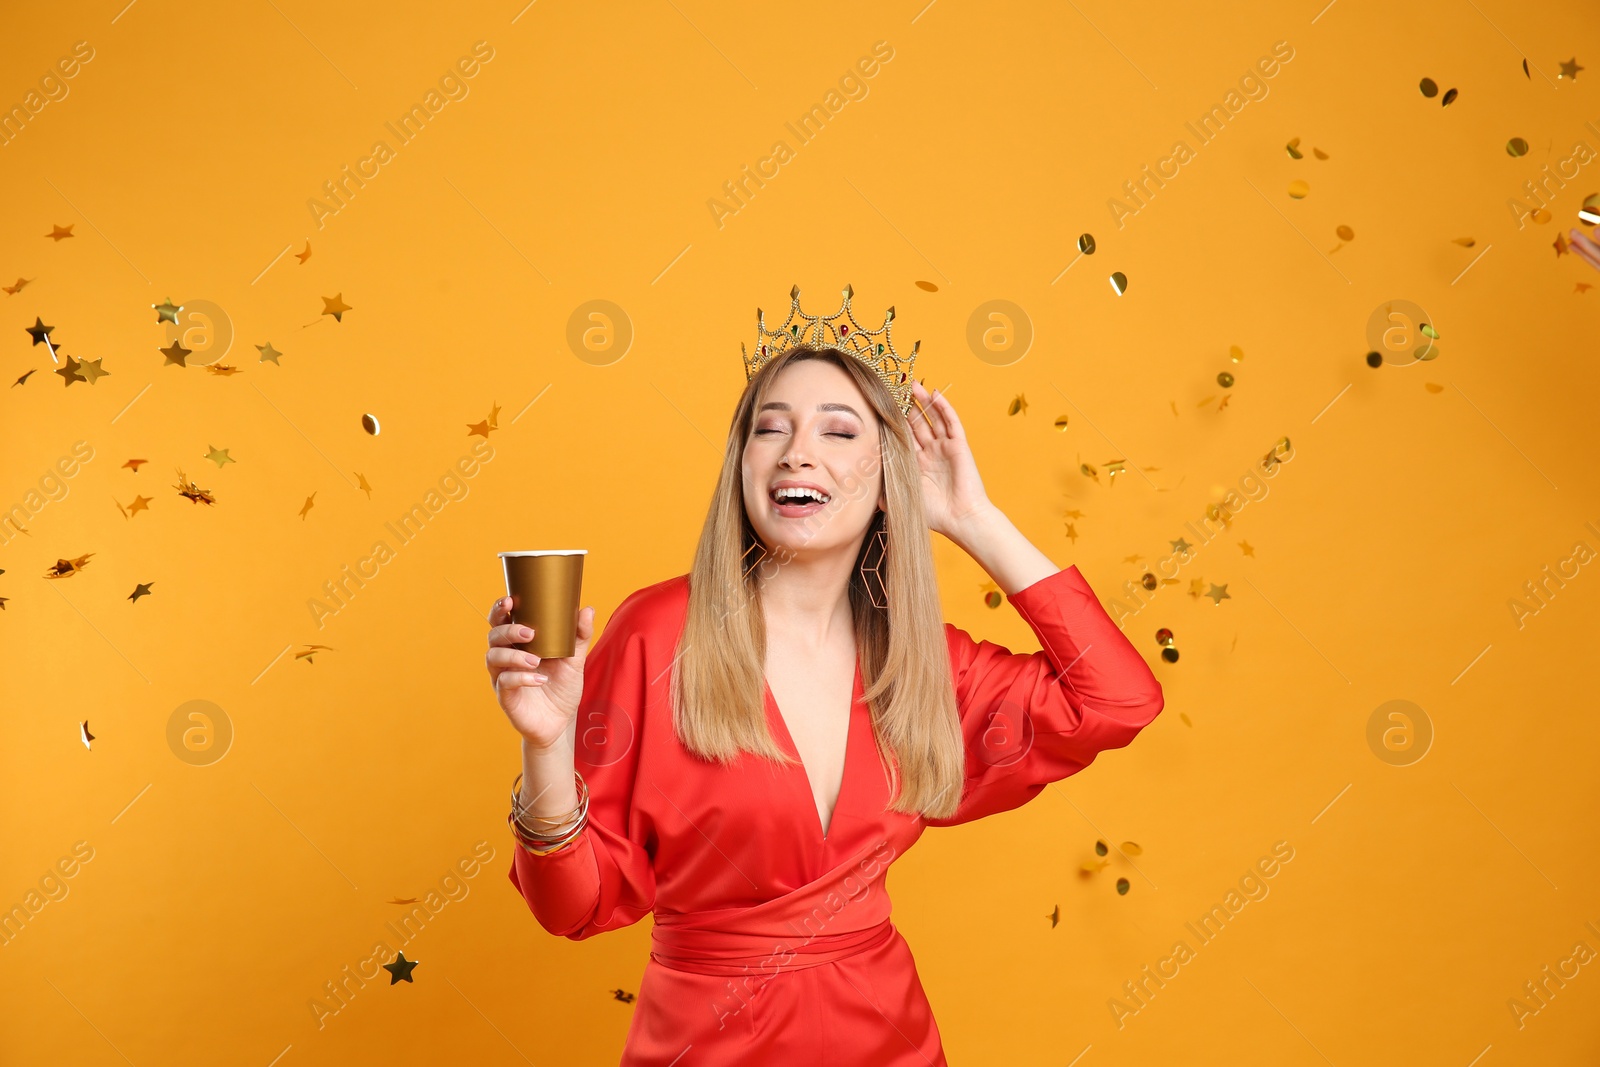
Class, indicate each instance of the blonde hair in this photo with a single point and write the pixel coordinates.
(718, 681)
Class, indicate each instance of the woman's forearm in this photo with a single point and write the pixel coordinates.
(548, 787)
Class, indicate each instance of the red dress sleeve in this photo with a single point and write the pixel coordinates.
(605, 879)
(1029, 719)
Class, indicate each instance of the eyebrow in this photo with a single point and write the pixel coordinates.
(781, 406)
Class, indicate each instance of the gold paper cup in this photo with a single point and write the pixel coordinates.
(544, 588)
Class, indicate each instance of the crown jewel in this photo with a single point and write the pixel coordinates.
(839, 330)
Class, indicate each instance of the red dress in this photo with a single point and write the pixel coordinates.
(772, 942)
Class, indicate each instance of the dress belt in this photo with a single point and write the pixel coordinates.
(727, 952)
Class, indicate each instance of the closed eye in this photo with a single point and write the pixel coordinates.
(835, 433)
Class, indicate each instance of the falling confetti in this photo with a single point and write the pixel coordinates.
(1589, 213)
(140, 503)
(142, 589)
(401, 968)
(1119, 282)
(1122, 887)
(13, 290)
(306, 507)
(927, 287)
(1054, 916)
(1131, 849)
(1086, 244)
(1185, 717)
(66, 568)
(39, 331)
(167, 311)
(406, 900)
(1516, 147)
(1061, 423)
(303, 256)
(189, 489)
(1225, 380)
(1449, 98)
(219, 456)
(1018, 404)
(1429, 87)
(362, 484)
(1374, 359)
(1235, 353)
(1089, 472)
(84, 735)
(312, 650)
(1569, 69)
(1465, 242)
(60, 233)
(134, 464)
(71, 371)
(1244, 546)
(222, 369)
(1218, 593)
(268, 353)
(1100, 848)
(627, 997)
(1319, 153)
(176, 353)
(335, 306)
(1299, 189)
(1293, 148)
(369, 423)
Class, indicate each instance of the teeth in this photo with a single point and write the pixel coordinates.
(800, 494)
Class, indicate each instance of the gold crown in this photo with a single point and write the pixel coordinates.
(874, 348)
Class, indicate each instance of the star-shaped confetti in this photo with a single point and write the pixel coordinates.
(90, 369)
(268, 353)
(1054, 916)
(1197, 588)
(312, 650)
(335, 306)
(219, 456)
(38, 330)
(363, 486)
(71, 372)
(134, 463)
(1180, 545)
(60, 233)
(1218, 593)
(167, 311)
(479, 428)
(401, 968)
(1072, 533)
(142, 589)
(189, 489)
(303, 256)
(22, 379)
(1114, 468)
(84, 735)
(66, 568)
(1244, 546)
(13, 290)
(140, 503)
(1583, 287)
(176, 353)
(222, 369)
(622, 995)
(1569, 69)
(307, 506)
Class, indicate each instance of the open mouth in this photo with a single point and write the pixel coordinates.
(794, 502)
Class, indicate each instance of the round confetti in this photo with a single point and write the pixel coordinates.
(1122, 887)
(1131, 848)
(1148, 581)
(369, 423)
(1429, 331)
(1541, 215)
(1299, 189)
(1429, 88)
(1374, 359)
(1086, 244)
(1590, 211)
(1119, 282)
(1449, 98)
(992, 599)
(1225, 380)
(1061, 423)
(928, 287)
(1163, 636)
(1100, 848)
(1235, 353)
(1345, 233)
(1293, 148)
(1517, 147)
(1169, 654)
(1427, 352)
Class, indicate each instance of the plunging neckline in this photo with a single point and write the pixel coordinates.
(849, 738)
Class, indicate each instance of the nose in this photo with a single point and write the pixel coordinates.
(793, 458)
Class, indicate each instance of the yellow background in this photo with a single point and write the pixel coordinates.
(579, 167)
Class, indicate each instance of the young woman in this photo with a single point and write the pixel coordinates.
(750, 746)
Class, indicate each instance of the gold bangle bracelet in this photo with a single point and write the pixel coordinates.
(556, 828)
(522, 812)
(544, 848)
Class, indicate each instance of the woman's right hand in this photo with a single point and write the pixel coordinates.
(540, 697)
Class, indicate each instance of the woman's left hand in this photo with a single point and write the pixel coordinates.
(952, 491)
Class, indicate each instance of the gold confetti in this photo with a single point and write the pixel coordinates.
(310, 651)
(1061, 423)
(628, 998)
(1131, 849)
(1086, 244)
(335, 306)
(1429, 331)
(1299, 189)
(1516, 147)
(189, 489)
(1319, 153)
(1541, 215)
(268, 353)
(1293, 148)
(928, 287)
(993, 600)
(1185, 717)
(1093, 866)
(1449, 98)
(1429, 87)
(84, 735)
(66, 568)
(1122, 887)
(219, 456)
(1589, 213)
(303, 256)
(1465, 242)
(1018, 404)
(1225, 380)
(13, 290)
(369, 423)
(1089, 472)
(1345, 233)
(1432, 388)
(139, 590)
(1569, 69)
(306, 507)
(1119, 282)
(1100, 848)
(1235, 353)
(60, 232)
